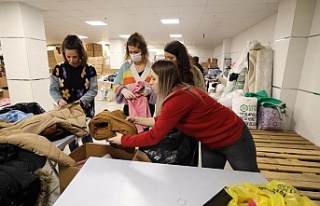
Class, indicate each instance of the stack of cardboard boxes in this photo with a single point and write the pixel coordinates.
(99, 64)
(213, 62)
(94, 50)
(96, 58)
(54, 57)
(4, 87)
(210, 64)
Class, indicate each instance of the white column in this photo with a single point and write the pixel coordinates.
(226, 52)
(290, 42)
(23, 41)
(117, 51)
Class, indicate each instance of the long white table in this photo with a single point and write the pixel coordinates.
(113, 182)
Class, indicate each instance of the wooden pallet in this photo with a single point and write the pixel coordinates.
(288, 157)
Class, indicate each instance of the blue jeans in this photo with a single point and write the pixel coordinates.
(74, 144)
(241, 154)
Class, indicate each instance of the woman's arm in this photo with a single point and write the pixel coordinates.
(117, 82)
(92, 92)
(145, 121)
(54, 89)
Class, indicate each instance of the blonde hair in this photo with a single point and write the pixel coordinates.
(168, 78)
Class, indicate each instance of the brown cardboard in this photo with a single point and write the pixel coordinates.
(3, 82)
(99, 68)
(90, 53)
(52, 62)
(66, 174)
(97, 53)
(50, 53)
(89, 47)
(5, 93)
(97, 47)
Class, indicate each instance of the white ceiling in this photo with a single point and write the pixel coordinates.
(203, 23)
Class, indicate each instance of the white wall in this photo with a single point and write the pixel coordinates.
(262, 32)
(306, 108)
(306, 114)
(202, 53)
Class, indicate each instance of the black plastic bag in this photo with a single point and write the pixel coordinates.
(176, 148)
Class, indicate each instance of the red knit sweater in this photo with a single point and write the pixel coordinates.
(195, 114)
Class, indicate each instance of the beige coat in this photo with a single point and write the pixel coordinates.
(198, 78)
(25, 133)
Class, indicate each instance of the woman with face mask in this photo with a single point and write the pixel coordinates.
(176, 147)
(132, 81)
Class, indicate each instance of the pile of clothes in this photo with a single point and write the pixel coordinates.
(25, 147)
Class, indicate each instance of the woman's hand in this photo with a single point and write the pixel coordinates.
(62, 103)
(134, 120)
(144, 121)
(146, 91)
(127, 94)
(116, 139)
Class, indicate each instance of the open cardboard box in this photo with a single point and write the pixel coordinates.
(66, 174)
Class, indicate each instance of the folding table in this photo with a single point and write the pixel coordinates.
(114, 182)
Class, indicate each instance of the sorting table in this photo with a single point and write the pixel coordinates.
(112, 182)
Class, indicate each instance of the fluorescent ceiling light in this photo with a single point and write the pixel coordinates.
(96, 23)
(125, 36)
(175, 35)
(82, 37)
(170, 21)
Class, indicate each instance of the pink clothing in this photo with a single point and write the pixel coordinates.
(4, 102)
(139, 107)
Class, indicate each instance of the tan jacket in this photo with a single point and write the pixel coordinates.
(25, 133)
(106, 123)
(198, 78)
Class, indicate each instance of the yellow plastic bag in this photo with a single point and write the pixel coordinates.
(273, 193)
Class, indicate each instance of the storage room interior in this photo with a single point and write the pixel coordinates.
(220, 33)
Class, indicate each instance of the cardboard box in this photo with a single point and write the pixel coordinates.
(90, 53)
(50, 53)
(89, 47)
(5, 94)
(97, 53)
(3, 82)
(99, 68)
(100, 60)
(66, 174)
(97, 47)
(91, 60)
(52, 62)
(213, 60)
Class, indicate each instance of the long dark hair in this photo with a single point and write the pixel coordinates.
(73, 42)
(168, 78)
(183, 60)
(137, 40)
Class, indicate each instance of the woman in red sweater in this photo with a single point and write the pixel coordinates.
(224, 136)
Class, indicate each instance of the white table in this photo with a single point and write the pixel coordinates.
(112, 182)
(62, 143)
